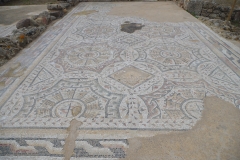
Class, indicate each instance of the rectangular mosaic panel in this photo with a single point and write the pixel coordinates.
(154, 78)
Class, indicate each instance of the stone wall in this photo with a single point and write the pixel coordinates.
(219, 11)
(193, 6)
(227, 2)
(209, 9)
(215, 11)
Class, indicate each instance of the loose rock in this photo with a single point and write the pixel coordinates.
(56, 14)
(54, 7)
(26, 23)
(42, 21)
(53, 18)
(225, 29)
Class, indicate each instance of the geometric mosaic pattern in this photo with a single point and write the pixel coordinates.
(152, 79)
(53, 147)
(86, 68)
(115, 80)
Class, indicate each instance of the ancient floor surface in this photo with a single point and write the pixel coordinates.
(122, 81)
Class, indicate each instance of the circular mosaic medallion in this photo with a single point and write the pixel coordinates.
(89, 55)
(170, 55)
(68, 109)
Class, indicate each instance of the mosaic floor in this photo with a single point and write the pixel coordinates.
(86, 68)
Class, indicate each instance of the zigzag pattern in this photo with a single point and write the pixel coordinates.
(88, 148)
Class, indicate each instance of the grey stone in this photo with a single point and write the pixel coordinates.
(223, 8)
(23, 23)
(56, 14)
(223, 15)
(64, 5)
(181, 3)
(237, 17)
(208, 4)
(44, 14)
(42, 21)
(213, 16)
(26, 23)
(34, 17)
(53, 18)
(210, 10)
(226, 27)
(216, 11)
(73, 2)
(234, 37)
(204, 10)
(4, 53)
(203, 18)
(54, 7)
(193, 6)
(216, 24)
(31, 31)
(205, 14)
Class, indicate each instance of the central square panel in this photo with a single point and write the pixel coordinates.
(131, 76)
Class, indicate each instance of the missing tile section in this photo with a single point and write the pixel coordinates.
(70, 140)
(91, 148)
(14, 71)
(131, 27)
(215, 136)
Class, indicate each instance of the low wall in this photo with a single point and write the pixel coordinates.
(219, 11)
(210, 9)
(227, 2)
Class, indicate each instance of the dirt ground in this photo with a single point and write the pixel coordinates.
(28, 2)
(216, 136)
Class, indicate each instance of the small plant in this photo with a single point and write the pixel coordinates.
(21, 38)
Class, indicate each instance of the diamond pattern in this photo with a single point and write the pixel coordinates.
(131, 76)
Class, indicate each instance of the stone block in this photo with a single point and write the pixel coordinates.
(64, 5)
(56, 14)
(23, 23)
(237, 17)
(73, 2)
(193, 6)
(210, 10)
(213, 16)
(223, 8)
(208, 5)
(54, 7)
(222, 15)
(26, 23)
(42, 21)
(204, 14)
(216, 11)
